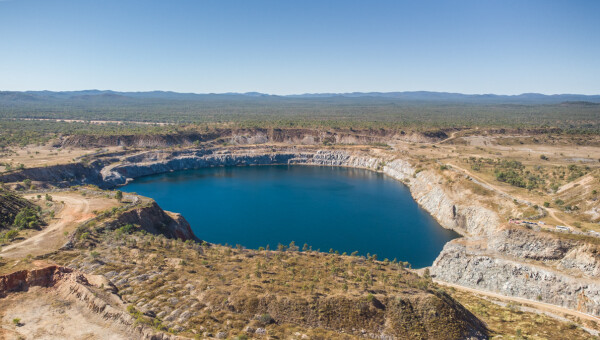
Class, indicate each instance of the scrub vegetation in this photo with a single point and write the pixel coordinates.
(121, 113)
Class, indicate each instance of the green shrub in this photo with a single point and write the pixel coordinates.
(11, 234)
(126, 229)
(266, 319)
(27, 218)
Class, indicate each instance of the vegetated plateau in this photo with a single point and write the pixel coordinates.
(510, 174)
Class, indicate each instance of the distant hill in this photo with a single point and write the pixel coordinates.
(425, 96)
(413, 96)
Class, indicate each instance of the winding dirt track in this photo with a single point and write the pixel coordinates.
(451, 137)
(551, 211)
(75, 211)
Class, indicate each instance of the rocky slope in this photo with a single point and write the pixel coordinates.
(93, 294)
(217, 291)
(475, 268)
(154, 220)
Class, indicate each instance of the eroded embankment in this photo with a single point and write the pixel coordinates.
(93, 298)
(491, 257)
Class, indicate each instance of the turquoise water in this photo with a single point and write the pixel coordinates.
(327, 207)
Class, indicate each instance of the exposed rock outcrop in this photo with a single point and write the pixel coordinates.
(471, 267)
(157, 221)
(23, 279)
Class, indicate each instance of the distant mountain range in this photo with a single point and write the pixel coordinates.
(414, 96)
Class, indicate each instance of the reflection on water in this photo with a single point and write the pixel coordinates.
(327, 207)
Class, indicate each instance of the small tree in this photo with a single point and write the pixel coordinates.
(119, 195)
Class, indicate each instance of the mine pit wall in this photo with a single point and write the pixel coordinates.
(253, 136)
(509, 264)
(425, 186)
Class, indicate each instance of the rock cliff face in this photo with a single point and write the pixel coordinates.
(63, 175)
(471, 267)
(157, 221)
(538, 261)
(291, 136)
(23, 279)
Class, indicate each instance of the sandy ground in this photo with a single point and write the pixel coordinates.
(77, 209)
(587, 179)
(47, 315)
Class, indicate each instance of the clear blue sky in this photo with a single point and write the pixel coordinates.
(285, 46)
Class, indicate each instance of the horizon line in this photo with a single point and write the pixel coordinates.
(308, 93)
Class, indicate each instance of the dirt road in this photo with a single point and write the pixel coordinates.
(77, 209)
(551, 211)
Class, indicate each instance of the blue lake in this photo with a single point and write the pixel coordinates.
(326, 207)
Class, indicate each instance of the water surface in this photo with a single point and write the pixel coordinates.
(326, 207)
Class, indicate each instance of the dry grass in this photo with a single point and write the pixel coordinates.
(224, 289)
